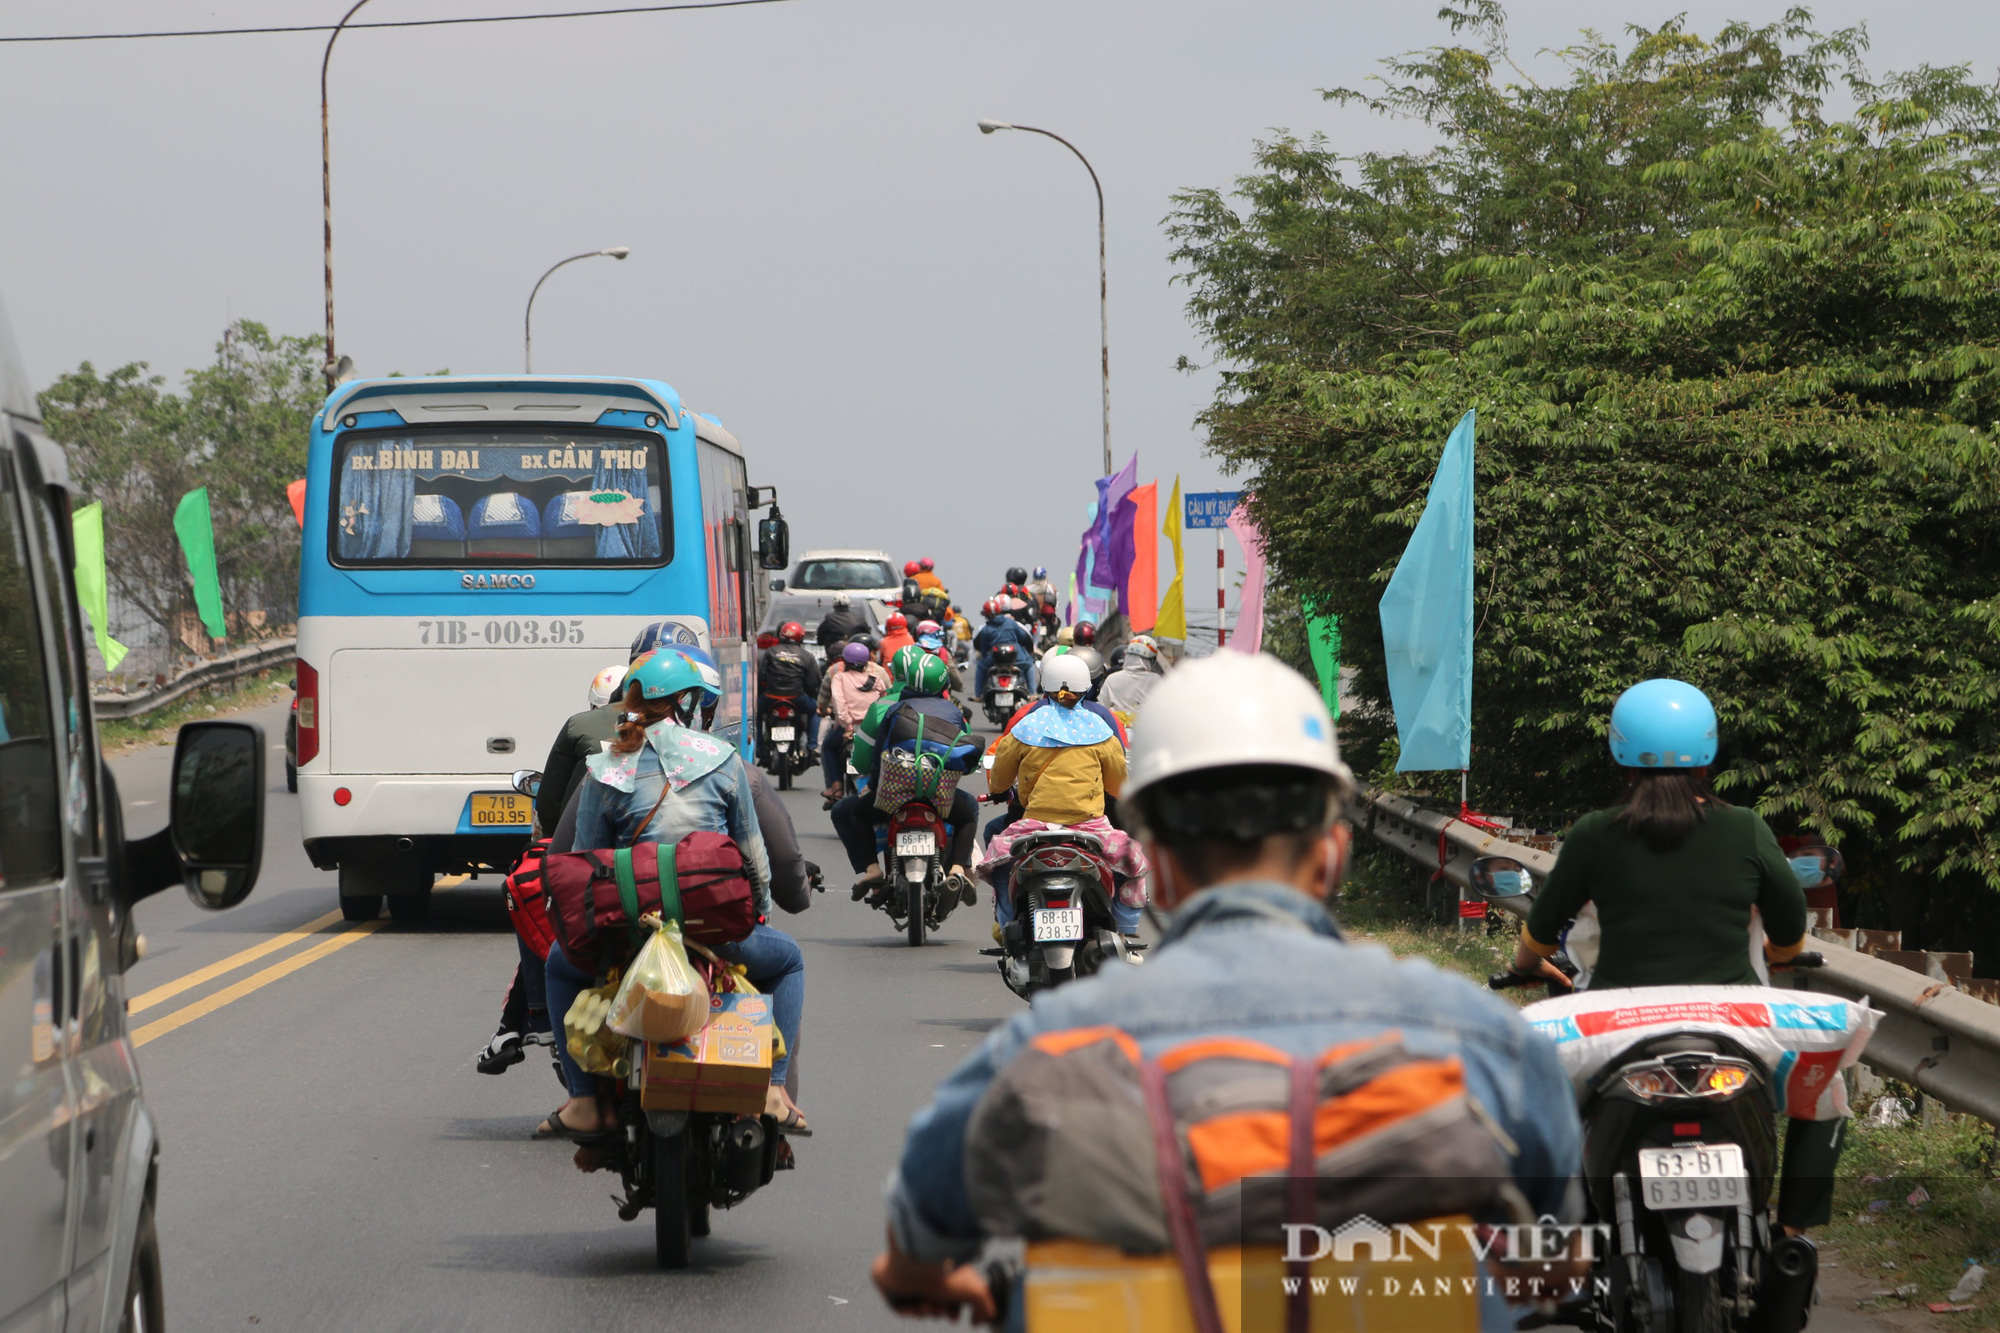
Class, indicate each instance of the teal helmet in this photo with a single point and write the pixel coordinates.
(666, 673)
(711, 675)
(1663, 724)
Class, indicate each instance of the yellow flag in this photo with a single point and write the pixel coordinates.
(1172, 623)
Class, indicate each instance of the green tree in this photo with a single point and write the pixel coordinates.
(240, 429)
(1737, 379)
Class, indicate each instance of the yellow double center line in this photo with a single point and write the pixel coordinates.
(256, 981)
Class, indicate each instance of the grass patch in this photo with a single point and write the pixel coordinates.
(1382, 901)
(118, 735)
(1955, 1161)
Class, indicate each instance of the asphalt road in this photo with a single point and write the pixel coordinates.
(331, 1160)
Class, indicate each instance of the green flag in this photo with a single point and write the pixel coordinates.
(87, 524)
(1324, 634)
(196, 530)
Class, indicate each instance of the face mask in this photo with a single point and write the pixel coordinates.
(1809, 871)
(1509, 883)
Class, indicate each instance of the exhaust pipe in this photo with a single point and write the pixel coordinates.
(1789, 1283)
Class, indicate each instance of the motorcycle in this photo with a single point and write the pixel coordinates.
(681, 1164)
(1005, 682)
(1062, 889)
(1680, 1160)
(914, 893)
(781, 744)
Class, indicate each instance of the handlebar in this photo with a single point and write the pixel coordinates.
(1811, 958)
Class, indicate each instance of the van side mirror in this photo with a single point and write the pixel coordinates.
(774, 541)
(213, 843)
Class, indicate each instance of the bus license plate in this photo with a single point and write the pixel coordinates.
(1004, 699)
(1710, 1176)
(782, 733)
(1058, 923)
(501, 809)
(920, 843)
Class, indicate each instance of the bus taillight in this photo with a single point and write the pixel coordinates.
(308, 714)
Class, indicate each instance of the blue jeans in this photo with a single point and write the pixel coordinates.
(833, 754)
(775, 967)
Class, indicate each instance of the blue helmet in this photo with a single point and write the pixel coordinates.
(1663, 724)
(664, 634)
(1041, 572)
(666, 673)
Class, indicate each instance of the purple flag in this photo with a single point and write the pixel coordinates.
(1121, 550)
(1097, 560)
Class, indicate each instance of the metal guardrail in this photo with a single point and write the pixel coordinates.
(242, 662)
(1932, 1036)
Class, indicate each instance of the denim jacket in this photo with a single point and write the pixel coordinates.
(1257, 960)
(719, 801)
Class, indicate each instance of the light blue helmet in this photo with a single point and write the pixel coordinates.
(711, 675)
(1663, 724)
(666, 673)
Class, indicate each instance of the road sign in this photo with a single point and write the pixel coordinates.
(1210, 509)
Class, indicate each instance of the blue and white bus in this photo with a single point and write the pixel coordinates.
(477, 548)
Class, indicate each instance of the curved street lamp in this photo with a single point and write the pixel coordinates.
(528, 321)
(326, 195)
(1103, 306)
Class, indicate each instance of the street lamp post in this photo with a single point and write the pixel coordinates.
(1103, 306)
(326, 195)
(528, 320)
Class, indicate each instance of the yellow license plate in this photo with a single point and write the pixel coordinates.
(501, 809)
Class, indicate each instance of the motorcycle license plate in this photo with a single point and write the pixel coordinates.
(1058, 923)
(920, 843)
(782, 733)
(499, 809)
(1710, 1176)
(1004, 699)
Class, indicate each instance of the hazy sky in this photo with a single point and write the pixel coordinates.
(896, 315)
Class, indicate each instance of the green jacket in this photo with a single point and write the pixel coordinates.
(1679, 917)
(582, 736)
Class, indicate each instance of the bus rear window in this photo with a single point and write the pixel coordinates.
(520, 496)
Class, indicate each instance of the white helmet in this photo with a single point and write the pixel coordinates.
(1065, 671)
(840, 602)
(1231, 709)
(605, 684)
(1142, 647)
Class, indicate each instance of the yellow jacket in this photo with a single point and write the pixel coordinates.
(1059, 786)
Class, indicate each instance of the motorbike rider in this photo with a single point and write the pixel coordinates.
(1675, 871)
(840, 624)
(896, 636)
(931, 638)
(926, 576)
(917, 701)
(1001, 628)
(846, 693)
(583, 735)
(1063, 761)
(663, 763)
(1085, 648)
(788, 671)
(1126, 688)
(1238, 785)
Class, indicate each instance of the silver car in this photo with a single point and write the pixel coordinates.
(77, 1147)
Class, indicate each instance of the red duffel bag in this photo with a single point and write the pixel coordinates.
(525, 907)
(595, 898)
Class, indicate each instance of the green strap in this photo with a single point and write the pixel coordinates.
(628, 891)
(670, 887)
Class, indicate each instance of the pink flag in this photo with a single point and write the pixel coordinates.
(1248, 636)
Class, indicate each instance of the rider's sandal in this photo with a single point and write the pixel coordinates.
(558, 1130)
(866, 881)
(500, 1054)
(793, 1124)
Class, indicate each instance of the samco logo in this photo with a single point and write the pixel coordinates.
(497, 581)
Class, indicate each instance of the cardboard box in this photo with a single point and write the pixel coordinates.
(725, 1067)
